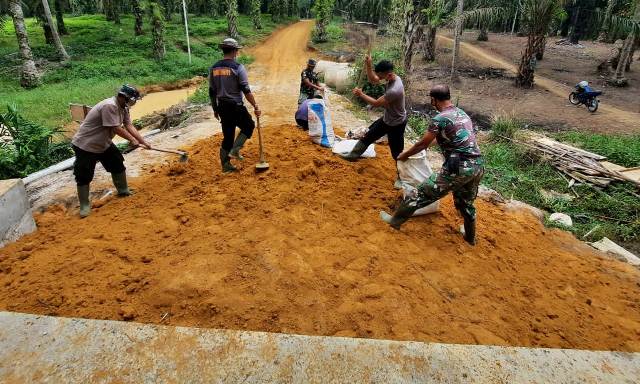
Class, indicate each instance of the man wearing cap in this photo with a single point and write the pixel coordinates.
(394, 120)
(309, 83)
(228, 81)
(461, 172)
(93, 143)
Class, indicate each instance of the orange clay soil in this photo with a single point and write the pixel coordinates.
(300, 249)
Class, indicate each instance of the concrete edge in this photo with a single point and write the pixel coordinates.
(50, 349)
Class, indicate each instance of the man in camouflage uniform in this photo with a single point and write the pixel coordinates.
(309, 83)
(461, 172)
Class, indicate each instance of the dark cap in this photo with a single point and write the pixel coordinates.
(130, 92)
(230, 43)
(312, 62)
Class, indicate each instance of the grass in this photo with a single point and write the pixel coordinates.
(105, 56)
(335, 36)
(622, 150)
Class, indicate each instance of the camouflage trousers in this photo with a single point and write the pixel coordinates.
(462, 177)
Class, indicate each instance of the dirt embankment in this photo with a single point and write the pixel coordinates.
(300, 249)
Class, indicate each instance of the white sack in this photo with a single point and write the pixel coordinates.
(320, 128)
(414, 171)
(345, 146)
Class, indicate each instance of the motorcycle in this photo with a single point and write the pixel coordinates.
(588, 98)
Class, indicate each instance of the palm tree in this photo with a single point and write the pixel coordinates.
(232, 17)
(458, 34)
(137, 13)
(627, 48)
(29, 76)
(64, 56)
(62, 29)
(156, 20)
(254, 10)
(435, 15)
(322, 9)
(606, 22)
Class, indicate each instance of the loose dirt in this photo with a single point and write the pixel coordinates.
(300, 249)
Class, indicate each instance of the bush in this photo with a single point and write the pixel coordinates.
(504, 128)
(27, 147)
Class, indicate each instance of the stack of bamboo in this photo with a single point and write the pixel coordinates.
(581, 166)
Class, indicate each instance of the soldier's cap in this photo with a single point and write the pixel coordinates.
(312, 62)
(230, 43)
(130, 92)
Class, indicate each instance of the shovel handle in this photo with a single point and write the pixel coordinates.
(167, 151)
(260, 140)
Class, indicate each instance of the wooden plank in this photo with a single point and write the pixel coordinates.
(561, 146)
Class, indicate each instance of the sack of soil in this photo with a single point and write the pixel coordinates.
(413, 172)
(320, 128)
(346, 146)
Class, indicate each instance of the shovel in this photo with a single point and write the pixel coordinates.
(183, 155)
(262, 165)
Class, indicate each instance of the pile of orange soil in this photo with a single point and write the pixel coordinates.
(300, 249)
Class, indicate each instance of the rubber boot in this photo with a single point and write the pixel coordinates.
(83, 197)
(120, 182)
(470, 231)
(401, 215)
(355, 153)
(237, 146)
(225, 160)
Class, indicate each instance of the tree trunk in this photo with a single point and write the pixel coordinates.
(483, 35)
(137, 13)
(115, 8)
(634, 47)
(56, 38)
(168, 9)
(619, 78)
(429, 43)
(456, 41)
(232, 18)
(604, 30)
(575, 27)
(107, 8)
(29, 76)
(528, 63)
(62, 29)
(46, 27)
(255, 14)
(157, 30)
(542, 44)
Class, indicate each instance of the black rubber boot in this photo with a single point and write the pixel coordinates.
(237, 146)
(401, 215)
(120, 182)
(470, 231)
(355, 153)
(225, 160)
(83, 197)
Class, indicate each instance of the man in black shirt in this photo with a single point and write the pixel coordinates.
(309, 83)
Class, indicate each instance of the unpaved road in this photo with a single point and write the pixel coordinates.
(300, 249)
(613, 115)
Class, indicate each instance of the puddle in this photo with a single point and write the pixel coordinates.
(157, 101)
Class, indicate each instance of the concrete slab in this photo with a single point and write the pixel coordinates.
(15, 211)
(58, 350)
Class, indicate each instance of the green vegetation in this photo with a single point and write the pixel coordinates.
(391, 52)
(105, 55)
(31, 146)
(622, 150)
(335, 36)
(504, 128)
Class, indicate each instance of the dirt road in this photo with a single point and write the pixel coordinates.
(612, 114)
(300, 249)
